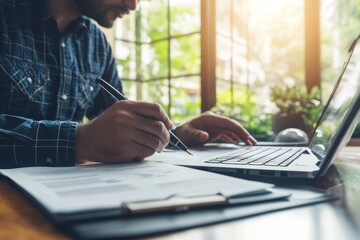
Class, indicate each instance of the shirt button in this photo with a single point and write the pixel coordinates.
(63, 44)
(49, 160)
(29, 80)
(64, 97)
(91, 88)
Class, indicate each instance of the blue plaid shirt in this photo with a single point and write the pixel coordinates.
(47, 83)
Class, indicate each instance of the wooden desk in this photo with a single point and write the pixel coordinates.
(19, 219)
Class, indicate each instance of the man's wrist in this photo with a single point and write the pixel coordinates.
(82, 149)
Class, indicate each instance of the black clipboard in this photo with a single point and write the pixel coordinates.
(133, 220)
(124, 223)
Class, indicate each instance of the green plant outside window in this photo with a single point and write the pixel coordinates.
(159, 57)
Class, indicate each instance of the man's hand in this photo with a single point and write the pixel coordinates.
(127, 131)
(209, 127)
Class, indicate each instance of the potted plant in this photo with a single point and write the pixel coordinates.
(297, 108)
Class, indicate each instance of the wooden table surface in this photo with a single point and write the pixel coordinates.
(19, 219)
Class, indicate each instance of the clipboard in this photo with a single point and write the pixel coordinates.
(133, 220)
(161, 207)
(142, 223)
(178, 211)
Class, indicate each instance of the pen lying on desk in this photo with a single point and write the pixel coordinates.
(175, 141)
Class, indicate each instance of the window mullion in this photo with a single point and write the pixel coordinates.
(208, 54)
(312, 43)
(138, 80)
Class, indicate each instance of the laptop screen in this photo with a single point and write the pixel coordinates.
(343, 100)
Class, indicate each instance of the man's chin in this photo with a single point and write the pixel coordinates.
(106, 23)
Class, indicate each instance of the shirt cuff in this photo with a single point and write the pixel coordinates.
(55, 144)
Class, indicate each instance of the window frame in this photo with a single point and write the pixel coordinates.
(208, 49)
(208, 77)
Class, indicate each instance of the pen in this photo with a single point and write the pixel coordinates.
(118, 96)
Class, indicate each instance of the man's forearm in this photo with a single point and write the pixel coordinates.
(24, 142)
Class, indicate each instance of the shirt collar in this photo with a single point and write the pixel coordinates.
(79, 26)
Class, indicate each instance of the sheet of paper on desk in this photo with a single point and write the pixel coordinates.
(175, 156)
(98, 187)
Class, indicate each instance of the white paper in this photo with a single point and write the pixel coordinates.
(95, 187)
(200, 154)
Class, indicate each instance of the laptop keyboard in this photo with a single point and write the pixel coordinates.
(265, 156)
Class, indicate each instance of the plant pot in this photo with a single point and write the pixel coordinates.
(281, 122)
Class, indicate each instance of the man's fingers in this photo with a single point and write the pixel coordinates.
(238, 130)
(151, 110)
(252, 140)
(233, 138)
(148, 140)
(197, 135)
(228, 139)
(156, 128)
(235, 130)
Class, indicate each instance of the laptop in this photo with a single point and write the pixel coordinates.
(333, 131)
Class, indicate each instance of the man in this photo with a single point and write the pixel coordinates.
(50, 56)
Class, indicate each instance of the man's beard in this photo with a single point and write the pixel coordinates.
(97, 11)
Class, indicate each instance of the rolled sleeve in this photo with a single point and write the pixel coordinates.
(24, 142)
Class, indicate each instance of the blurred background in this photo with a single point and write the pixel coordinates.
(258, 61)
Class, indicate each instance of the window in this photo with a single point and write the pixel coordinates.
(259, 44)
(188, 55)
(158, 51)
(340, 25)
